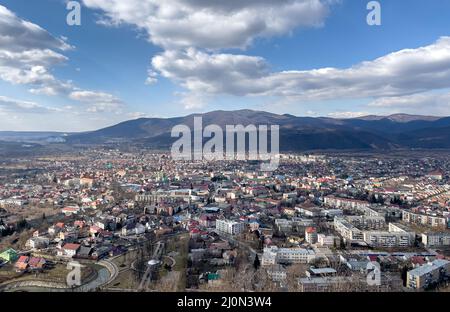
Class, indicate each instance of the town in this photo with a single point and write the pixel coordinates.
(141, 221)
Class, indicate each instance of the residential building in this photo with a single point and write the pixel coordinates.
(367, 222)
(22, 263)
(69, 250)
(428, 274)
(396, 236)
(436, 239)
(229, 227)
(322, 284)
(68, 211)
(388, 239)
(277, 273)
(37, 242)
(432, 221)
(320, 272)
(273, 255)
(345, 203)
(347, 230)
(9, 255)
(311, 235)
(328, 240)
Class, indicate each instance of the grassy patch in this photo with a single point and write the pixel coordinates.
(182, 247)
(125, 280)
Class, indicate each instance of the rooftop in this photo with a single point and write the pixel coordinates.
(428, 268)
(72, 246)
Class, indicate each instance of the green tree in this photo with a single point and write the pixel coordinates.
(22, 224)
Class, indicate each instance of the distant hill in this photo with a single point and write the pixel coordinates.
(400, 118)
(296, 133)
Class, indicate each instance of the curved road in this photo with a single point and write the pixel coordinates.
(105, 276)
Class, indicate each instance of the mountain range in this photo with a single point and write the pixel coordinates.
(397, 131)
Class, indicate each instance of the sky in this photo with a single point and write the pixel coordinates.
(152, 58)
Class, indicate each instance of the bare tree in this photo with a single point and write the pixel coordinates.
(293, 273)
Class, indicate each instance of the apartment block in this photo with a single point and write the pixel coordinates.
(328, 240)
(436, 239)
(396, 236)
(388, 239)
(274, 255)
(428, 274)
(345, 203)
(230, 227)
(416, 218)
(347, 230)
(367, 222)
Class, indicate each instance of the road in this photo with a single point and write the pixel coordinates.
(148, 273)
(104, 276)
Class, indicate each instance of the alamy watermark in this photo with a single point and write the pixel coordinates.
(241, 143)
(374, 16)
(73, 279)
(74, 16)
(373, 273)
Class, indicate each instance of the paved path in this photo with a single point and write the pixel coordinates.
(148, 273)
(104, 276)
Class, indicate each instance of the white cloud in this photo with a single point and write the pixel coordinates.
(28, 52)
(20, 35)
(197, 26)
(137, 115)
(421, 103)
(212, 24)
(346, 115)
(18, 106)
(400, 73)
(193, 32)
(152, 77)
(22, 115)
(27, 55)
(98, 102)
(211, 74)
(192, 101)
(34, 57)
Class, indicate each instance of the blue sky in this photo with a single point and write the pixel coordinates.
(303, 57)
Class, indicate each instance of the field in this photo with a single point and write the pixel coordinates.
(54, 273)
